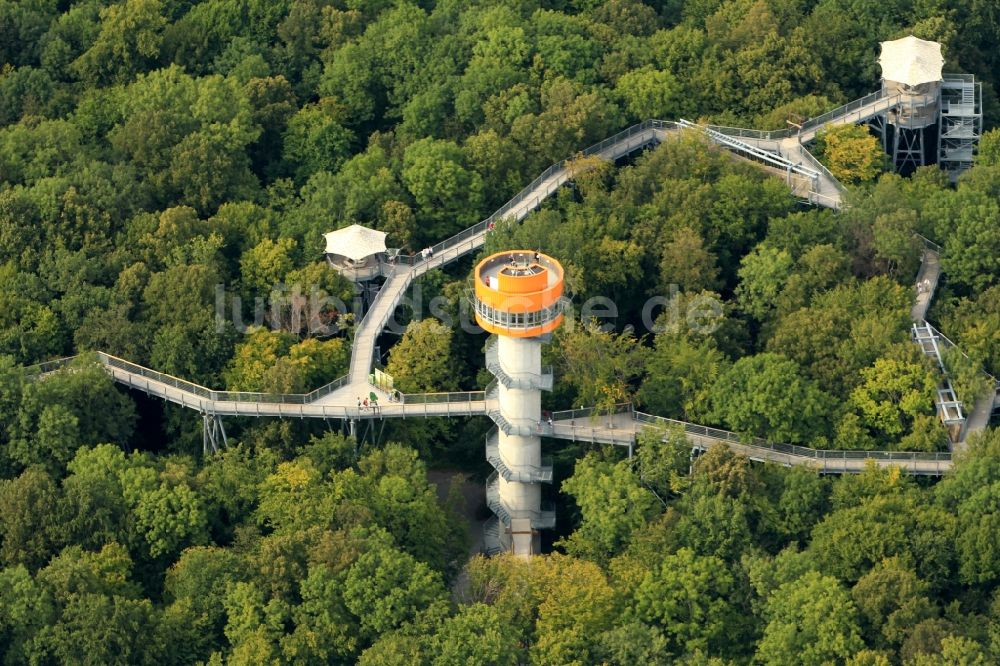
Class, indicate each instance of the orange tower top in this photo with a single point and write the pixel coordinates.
(519, 293)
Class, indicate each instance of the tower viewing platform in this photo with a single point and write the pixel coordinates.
(518, 296)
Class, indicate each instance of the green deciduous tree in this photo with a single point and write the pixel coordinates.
(613, 504)
(600, 365)
(448, 194)
(894, 391)
(809, 621)
(30, 508)
(767, 396)
(851, 153)
(763, 274)
(680, 371)
(83, 396)
(26, 607)
(129, 43)
(650, 93)
(690, 599)
(478, 635)
(891, 599)
(386, 588)
(422, 361)
(686, 263)
(316, 139)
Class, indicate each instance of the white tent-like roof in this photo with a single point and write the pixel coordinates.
(355, 242)
(911, 61)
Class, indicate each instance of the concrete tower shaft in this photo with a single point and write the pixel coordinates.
(518, 297)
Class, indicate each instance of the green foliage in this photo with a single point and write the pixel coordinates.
(422, 361)
(386, 588)
(478, 634)
(763, 274)
(767, 396)
(77, 405)
(810, 621)
(447, 193)
(851, 153)
(894, 391)
(599, 364)
(316, 139)
(152, 150)
(30, 504)
(649, 93)
(612, 503)
(272, 361)
(691, 598)
(129, 42)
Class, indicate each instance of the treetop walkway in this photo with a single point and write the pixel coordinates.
(343, 398)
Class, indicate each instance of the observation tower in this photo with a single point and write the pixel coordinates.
(518, 298)
(929, 106)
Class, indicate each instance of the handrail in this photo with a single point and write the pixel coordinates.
(596, 412)
(544, 469)
(198, 390)
(753, 152)
(843, 110)
(929, 244)
(746, 133)
(541, 381)
(791, 449)
(442, 397)
(952, 345)
(819, 166)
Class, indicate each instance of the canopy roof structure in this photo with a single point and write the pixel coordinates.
(911, 61)
(355, 242)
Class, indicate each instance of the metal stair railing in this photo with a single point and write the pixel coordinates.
(542, 382)
(493, 537)
(543, 519)
(521, 473)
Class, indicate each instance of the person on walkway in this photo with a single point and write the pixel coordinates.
(359, 403)
(537, 257)
(365, 403)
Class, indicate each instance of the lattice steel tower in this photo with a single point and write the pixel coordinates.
(932, 107)
(518, 297)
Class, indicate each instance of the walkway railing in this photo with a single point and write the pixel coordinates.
(533, 193)
(821, 168)
(753, 152)
(788, 449)
(440, 398)
(843, 112)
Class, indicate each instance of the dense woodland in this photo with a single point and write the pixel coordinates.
(155, 154)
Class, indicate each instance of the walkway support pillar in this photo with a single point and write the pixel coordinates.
(213, 435)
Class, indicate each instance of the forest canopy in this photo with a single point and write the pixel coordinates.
(159, 158)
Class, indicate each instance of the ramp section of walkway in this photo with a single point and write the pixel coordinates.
(407, 269)
(622, 427)
(283, 405)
